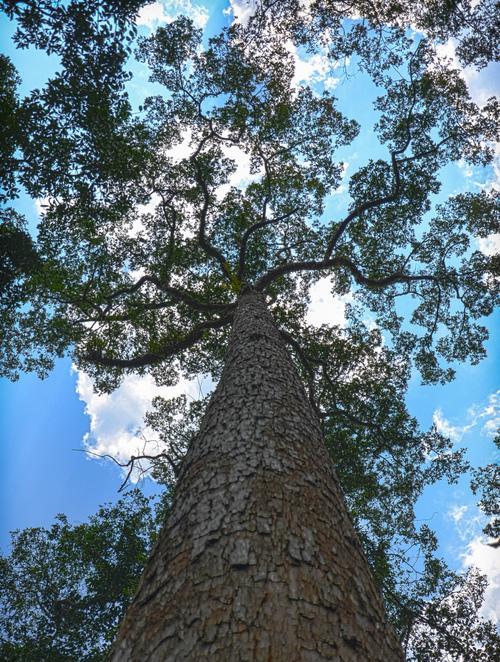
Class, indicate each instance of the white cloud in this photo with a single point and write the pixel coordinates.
(490, 246)
(330, 82)
(41, 205)
(138, 224)
(116, 419)
(242, 176)
(166, 11)
(325, 308)
(491, 426)
(487, 415)
(342, 187)
(493, 182)
(468, 520)
(242, 10)
(310, 70)
(447, 51)
(181, 150)
(153, 14)
(466, 168)
(313, 69)
(457, 513)
(481, 84)
(487, 560)
(444, 427)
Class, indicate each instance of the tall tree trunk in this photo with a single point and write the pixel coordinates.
(259, 560)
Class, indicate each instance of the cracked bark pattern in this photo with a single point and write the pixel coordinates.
(259, 559)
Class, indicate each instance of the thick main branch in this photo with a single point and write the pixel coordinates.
(170, 348)
(340, 261)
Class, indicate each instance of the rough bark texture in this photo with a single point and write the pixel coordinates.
(259, 560)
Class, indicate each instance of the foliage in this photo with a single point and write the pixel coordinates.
(486, 481)
(466, 636)
(17, 254)
(99, 164)
(63, 590)
(8, 117)
(472, 25)
(145, 243)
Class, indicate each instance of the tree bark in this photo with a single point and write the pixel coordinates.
(259, 559)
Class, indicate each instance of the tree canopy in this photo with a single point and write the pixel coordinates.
(144, 244)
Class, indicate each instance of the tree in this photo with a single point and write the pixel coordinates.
(460, 639)
(486, 480)
(249, 561)
(65, 589)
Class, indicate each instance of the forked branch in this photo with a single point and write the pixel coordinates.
(209, 248)
(130, 465)
(254, 228)
(366, 206)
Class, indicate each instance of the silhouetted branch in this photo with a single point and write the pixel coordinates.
(340, 261)
(130, 464)
(175, 293)
(365, 206)
(170, 348)
(253, 228)
(304, 359)
(202, 239)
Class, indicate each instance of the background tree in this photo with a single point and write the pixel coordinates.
(128, 290)
(486, 481)
(64, 589)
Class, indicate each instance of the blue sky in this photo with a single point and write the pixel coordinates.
(42, 422)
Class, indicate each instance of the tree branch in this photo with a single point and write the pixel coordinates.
(169, 349)
(131, 463)
(253, 228)
(179, 295)
(365, 206)
(339, 261)
(395, 168)
(288, 338)
(202, 240)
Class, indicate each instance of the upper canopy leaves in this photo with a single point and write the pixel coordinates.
(472, 25)
(145, 241)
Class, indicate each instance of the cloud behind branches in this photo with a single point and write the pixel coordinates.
(486, 559)
(117, 419)
(166, 11)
